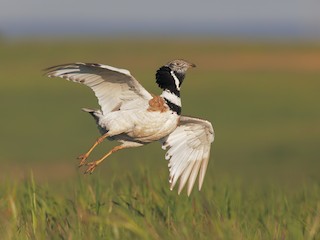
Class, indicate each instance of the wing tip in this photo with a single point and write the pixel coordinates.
(51, 70)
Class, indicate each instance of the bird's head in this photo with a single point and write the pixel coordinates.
(171, 75)
(180, 66)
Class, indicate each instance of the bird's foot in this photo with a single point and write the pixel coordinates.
(83, 158)
(91, 167)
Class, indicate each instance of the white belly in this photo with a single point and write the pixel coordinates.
(144, 126)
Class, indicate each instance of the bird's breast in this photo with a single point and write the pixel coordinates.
(153, 125)
(143, 125)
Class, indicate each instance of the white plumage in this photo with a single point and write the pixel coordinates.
(115, 88)
(189, 150)
(132, 116)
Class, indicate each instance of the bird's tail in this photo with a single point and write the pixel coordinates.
(96, 114)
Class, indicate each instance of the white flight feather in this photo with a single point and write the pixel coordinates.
(184, 177)
(180, 167)
(204, 165)
(193, 176)
(196, 155)
(177, 169)
(114, 87)
(188, 152)
(124, 71)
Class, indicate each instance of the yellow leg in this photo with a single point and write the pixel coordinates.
(94, 164)
(83, 157)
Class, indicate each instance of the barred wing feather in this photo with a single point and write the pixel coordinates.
(189, 150)
(115, 88)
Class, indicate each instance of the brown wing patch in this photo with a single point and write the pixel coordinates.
(157, 103)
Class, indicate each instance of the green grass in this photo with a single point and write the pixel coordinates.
(263, 178)
(139, 206)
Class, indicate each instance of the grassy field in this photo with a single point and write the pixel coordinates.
(263, 178)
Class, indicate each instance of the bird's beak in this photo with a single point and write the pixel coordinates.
(192, 65)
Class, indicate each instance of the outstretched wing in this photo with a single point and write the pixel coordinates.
(189, 149)
(115, 88)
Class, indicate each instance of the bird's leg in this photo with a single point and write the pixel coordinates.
(83, 157)
(94, 164)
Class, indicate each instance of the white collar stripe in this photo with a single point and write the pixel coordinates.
(176, 80)
(171, 97)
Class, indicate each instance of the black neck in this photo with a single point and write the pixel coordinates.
(166, 80)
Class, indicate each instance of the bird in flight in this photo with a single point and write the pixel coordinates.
(132, 116)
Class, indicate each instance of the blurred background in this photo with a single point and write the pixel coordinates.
(257, 81)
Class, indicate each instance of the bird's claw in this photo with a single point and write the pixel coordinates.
(83, 158)
(91, 167)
